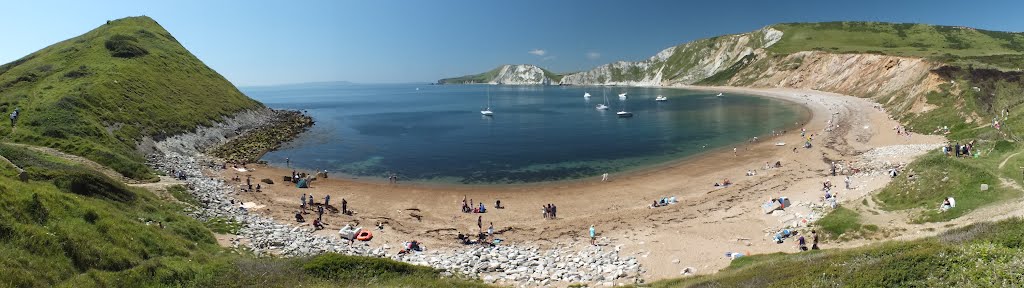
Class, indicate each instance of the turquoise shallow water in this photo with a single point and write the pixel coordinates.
(538, 133)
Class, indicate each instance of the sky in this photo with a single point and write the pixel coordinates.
(256, 43)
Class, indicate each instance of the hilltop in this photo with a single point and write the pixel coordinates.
(101, 94)
(524, 74)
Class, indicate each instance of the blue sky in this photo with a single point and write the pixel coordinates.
(276, 42)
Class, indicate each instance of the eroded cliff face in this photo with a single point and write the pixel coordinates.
(900, 82)
(520, 75)
(684, 64)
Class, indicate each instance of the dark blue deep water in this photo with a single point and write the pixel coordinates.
(538, 133)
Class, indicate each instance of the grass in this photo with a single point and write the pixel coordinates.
(839, 221)
(938, 176)
(961, 46)
(181, 193)
(54, 235)
(97, 95)
(984, 254)
(223, 225)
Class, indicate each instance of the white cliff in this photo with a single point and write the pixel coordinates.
(683, 64)
(523, 74)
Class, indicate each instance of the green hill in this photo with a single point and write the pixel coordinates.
(495, 75)
(69, 225)
(950, 44)
(97, 95)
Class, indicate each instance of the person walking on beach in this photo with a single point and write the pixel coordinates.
(554, 211)
(604, 177)
(593, 236)
(287, 162)
(814, 240)
(490, 231)
(848, 182)
(320, 213)
(302, 202)
(327, 200)
(734, 151)
(311, 200)
(344, 206)
(480, 223)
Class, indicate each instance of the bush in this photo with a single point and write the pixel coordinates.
(348, 268)
(124, 46)
(87, 183)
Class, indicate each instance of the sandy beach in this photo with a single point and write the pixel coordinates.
(707, 222)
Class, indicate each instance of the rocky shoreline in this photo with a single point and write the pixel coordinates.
(250, 146)
(507, 264)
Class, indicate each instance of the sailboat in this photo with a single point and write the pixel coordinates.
(487, 111)
(586, 95)
(719, 94)
(623, 113)
(622, 96)
(660, 98)
(603, 106)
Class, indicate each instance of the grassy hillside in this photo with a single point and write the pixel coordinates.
(74, 227)
(980, 255)
(949, 44)
(98, 94)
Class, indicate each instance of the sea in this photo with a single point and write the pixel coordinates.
(436, 133)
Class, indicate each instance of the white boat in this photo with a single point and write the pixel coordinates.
(623, 113)
(719, 95)
(660, 98)
(622, 96)
(603, 106)
(586, 95)
(487, 111)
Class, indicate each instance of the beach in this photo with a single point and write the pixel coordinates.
(696, 232)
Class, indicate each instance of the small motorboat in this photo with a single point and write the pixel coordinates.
(719, 95)
(660, 98)
(586, 95)
(624, 114)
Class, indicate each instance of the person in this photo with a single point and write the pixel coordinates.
(593, 236)
(848, 182)
(344, 206)
(298, 217)
(482, 209)
(302, 202)
(497, 204)
(814, 240)
(320, 212)
(604, 177)
(490, 230)
(258, 189)
(311, 200)
(318, 225)
(802, 243)
(480, 223)
(327, 200)
(554, 211)
(655, 204)
(287, 162)
(544, 209)
(945, 205)
(734, 151)
(833, 169)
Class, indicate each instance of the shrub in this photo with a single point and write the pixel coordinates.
(87, 183)
(348, 268)
(124, 46)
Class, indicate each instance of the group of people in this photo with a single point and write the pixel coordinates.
(959, 150)
(467, 206)
(830, 198)
(665, 201)
(550, 211)
(393, 178)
